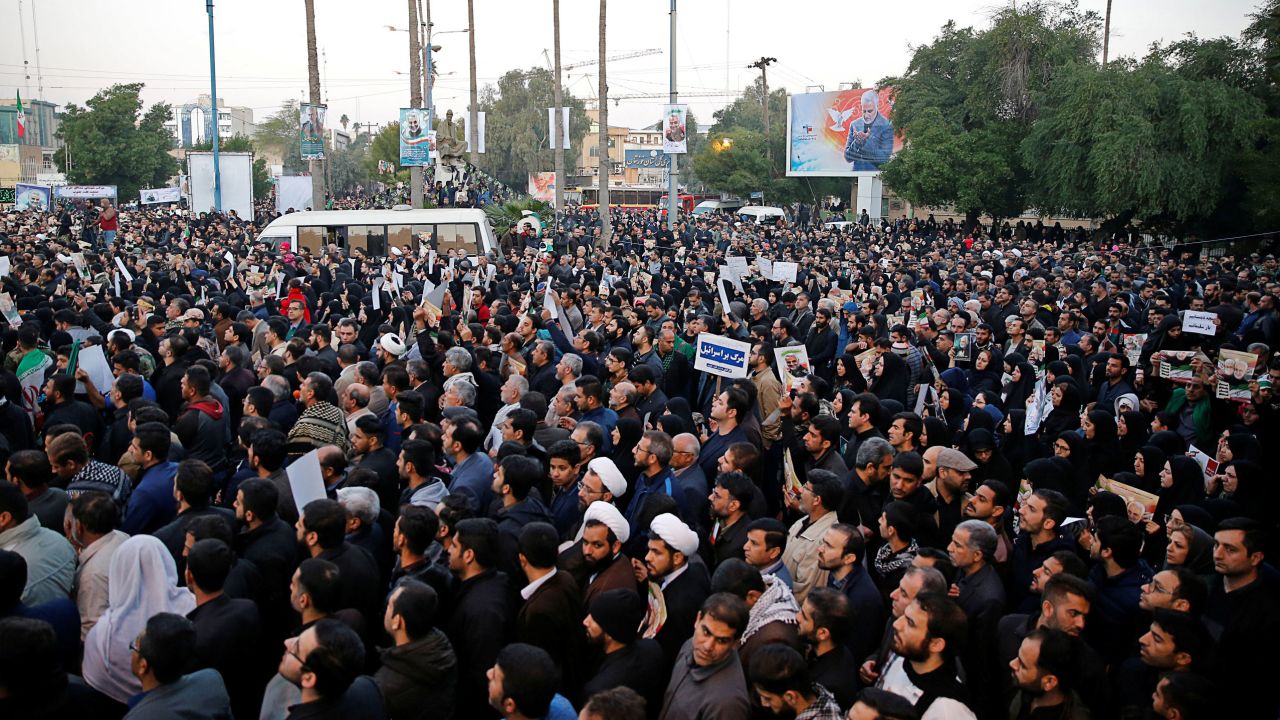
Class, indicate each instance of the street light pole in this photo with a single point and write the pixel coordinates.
(673, 185)
(213, 92)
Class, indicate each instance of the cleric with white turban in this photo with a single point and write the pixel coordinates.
(606, 513)
(610, 476)
(675, 533)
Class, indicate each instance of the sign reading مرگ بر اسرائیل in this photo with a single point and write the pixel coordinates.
(722, 356)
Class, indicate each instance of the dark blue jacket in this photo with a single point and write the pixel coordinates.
(151, 506)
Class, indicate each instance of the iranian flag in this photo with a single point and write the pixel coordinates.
(22, 118)
(31, 371)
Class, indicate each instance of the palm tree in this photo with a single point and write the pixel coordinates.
(344, 120)
(559, 102)
(606, 224)
(313, 77)
(415, 96)
(473, 141)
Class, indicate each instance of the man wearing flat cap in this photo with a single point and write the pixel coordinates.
(953, 469)
(672, 563)
(613, 623)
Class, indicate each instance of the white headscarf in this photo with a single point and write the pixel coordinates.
(142, 582)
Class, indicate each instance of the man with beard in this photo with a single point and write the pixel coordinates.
(823, 621)
(927, 639)
(612, 623)
(988, 503)
(684, 584)
(1045, 677)
(781, 679)
(604, 531)
(842, 553)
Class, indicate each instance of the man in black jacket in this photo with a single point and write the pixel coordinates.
(271, 545)
(551, 617)
(228, 636)
(629, 661)
(479, 626)
(322, 531)
(419, 674)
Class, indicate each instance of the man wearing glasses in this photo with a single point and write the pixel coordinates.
(157, 658)
(324, 662)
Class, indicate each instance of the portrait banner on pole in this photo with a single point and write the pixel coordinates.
(417, 142)
(674, 129)
(311, 131)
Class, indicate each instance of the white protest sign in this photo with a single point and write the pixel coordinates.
(377, 292)
(724, 296)
(306, 480)
(766, 268)
(738, 265)
(94, 362)
(123, 269)
(785, 271)
(549, 304)
(1199, 322)
(722, 356)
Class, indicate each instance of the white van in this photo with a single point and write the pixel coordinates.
(377, 231)
(711, 207)
(761, 214)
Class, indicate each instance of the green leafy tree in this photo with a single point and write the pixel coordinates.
(1138, 140)
(240, 144)
(279, 133)
(116, 144)
(516, 126)
(969, 98)
(386, 146)
(348, 168)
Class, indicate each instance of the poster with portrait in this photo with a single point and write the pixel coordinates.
(964, 347)
(311, 131)
(792, 363)
(542, 186)
(154, 196)
(32, 197)
(417, 142)
(843, 133)
(674, 129)
(1235, 371)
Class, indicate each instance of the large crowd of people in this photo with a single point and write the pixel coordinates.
(1002, 472)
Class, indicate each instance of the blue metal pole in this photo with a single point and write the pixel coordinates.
(213, 91)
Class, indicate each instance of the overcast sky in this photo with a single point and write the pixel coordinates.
(86, 45)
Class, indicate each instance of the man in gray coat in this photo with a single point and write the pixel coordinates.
(707, 680)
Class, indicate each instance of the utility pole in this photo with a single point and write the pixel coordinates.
(606, 221)
(415, 98)
(313, 77)
(673, 186)
(558, 93)
(1106, 34)
(473, 139)
(213, 93)
(763, 66)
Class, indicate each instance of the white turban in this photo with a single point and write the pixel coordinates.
(610, 475)
(606, 513)
(393, 344)
(675, 533)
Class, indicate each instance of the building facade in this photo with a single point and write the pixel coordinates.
(192, 122)
(24, 159)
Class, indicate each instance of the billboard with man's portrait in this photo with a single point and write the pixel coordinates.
(417, 142)
(845, 133)
(311, 131)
